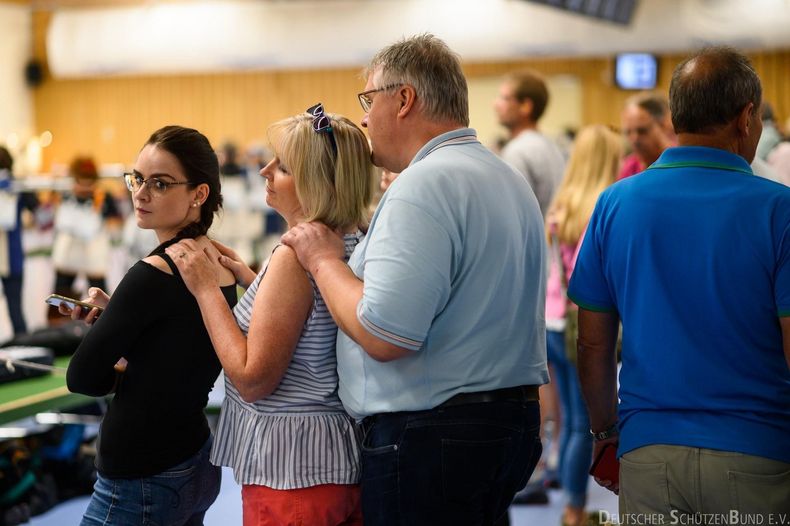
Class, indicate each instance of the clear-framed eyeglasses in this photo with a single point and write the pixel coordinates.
(156, 186)
(366, 101)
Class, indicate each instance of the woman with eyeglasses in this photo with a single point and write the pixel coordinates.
(150, 347)
(282, 427)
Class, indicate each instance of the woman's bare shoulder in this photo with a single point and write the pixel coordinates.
(158, 263)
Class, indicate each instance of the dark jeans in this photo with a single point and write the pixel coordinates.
(12, 288)
(457, 465)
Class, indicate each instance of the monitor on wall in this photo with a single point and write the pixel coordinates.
(636, 71)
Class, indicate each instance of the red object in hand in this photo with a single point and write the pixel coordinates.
(606, 466)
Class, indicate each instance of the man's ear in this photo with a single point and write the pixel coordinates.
(745, 120)
(525, 108)
(407, 98)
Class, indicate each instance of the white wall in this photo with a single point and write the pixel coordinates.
(16, 104)
(210, 35)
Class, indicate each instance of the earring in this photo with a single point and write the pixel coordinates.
(194, 205)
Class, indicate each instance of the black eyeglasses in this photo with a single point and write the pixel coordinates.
(322, 123)
(156, 186)
(366, 101)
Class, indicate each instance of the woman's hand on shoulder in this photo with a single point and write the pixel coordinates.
(199, 272)
(313, 243)
(229, 259)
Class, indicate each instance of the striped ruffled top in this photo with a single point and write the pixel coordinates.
(298, 436)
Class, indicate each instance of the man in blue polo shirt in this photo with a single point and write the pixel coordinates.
(441, 308)
(694, 256)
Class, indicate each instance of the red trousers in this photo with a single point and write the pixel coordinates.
(324, 505)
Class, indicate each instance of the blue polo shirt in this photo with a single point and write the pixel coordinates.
(454, 270)
(694, 254)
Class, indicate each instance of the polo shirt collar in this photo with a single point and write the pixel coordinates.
(702, 157)
(460, 135)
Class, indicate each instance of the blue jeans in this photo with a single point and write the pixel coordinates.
(179, 496)
(456, 465)
(575, 438)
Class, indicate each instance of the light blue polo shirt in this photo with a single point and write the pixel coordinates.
(694, 254)
(454, 270)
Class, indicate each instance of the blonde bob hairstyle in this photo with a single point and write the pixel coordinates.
(335, 189)
(594, 165)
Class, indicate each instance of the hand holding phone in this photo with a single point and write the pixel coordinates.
(56, 300)
(606, 468)
(77, 309)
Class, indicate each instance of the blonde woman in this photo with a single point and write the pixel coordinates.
(282, 427)
(593, 165)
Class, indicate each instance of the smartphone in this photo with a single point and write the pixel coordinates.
(56, 300)
(606, 466)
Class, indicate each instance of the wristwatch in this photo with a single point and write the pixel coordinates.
(606, 433)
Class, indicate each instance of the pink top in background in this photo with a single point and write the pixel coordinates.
(631, 166)
(556, 300)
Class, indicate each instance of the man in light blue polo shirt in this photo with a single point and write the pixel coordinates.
(441, 306)
(694, 255)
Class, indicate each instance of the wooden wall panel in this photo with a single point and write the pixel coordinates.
(774, 70)
(111, 117)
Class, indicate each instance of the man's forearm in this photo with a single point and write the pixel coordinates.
(598, 376)
(597, 363)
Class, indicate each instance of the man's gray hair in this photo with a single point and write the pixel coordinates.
(433, 69)
(711, 88)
